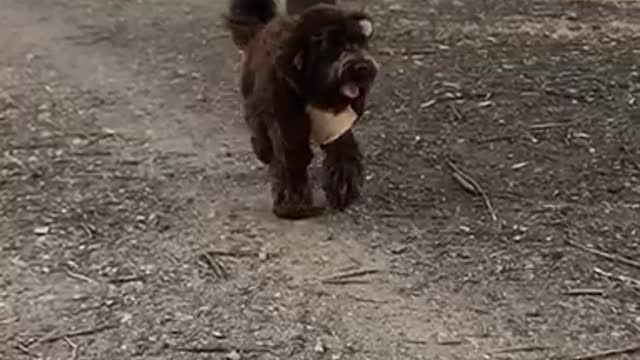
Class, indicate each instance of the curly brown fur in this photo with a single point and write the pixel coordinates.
(297, 6)
(318, 58)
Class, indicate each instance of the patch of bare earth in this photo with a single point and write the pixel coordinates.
(136, 223)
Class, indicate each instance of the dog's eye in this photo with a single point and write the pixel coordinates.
(350, 46)
(317, 39)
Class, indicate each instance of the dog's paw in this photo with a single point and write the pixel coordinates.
(294, 203)
(342, 182)
(262, 149)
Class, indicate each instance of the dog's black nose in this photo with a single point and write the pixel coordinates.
(365, 66)
(363, 70)
(361, 67)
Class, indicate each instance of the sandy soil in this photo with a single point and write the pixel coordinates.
(136, 222)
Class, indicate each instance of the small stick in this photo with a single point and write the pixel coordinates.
(340, 278)
(236, 254)
(605, 354)
(450, 342)
(495, 139)
(625, 279)
(365, 300)
(88, 230)
(74, 348)
(456, 113)
(23, 349)
(77, 276)
(215, 266)
(77, 333)
(217, 349)
(581, 292)
(524, 348)
(612, 257)
(416, 341)
(127, 279)
(9, 320)
(440, 99)
(204, 350)
(471, 185)
(425, 51)
(346, 282)
(548, 125)
(98, 138)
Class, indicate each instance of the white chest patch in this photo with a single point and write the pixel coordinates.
(326, 126)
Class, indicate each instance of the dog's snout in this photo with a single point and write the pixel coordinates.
(362, 69)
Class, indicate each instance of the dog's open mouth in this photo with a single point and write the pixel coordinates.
(350, 90)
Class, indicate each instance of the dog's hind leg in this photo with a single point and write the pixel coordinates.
(343, 171)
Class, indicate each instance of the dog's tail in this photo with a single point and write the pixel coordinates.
(247, 17)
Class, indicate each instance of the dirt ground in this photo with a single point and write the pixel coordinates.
(136, 222)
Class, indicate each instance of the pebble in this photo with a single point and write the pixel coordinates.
(570, 15)
(41, 230)
(319, 347)
(234, 355)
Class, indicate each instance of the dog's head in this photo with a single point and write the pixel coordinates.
(328, 61)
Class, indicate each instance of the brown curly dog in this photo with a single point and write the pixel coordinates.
(299, 73)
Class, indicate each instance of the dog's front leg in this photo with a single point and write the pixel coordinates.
(291, 191)
(343, 171)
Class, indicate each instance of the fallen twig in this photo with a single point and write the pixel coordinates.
(236, 254)
(612, 257)
(74, 348)
(625, 279)
(218, 349)
(127, 279)
(416, 341)
(442, 98)
(497, 138)
(423, 51)
(342, 277)
(582, 292)
(608, 353)
(346, 282)
(98, 138)
(366, 300)
(449, 342)
(523, 348)
(217, 268)
(77, 333)
(204, 350)
(456, 113)
(77, 276)
(23, 349)
(471, 185)
(9, 320)
(548, 125)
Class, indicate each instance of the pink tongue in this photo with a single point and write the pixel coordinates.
(350, 90)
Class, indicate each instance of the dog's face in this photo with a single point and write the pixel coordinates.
(333, 67)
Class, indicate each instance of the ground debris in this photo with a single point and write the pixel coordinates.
(611, 257)
(471, 185)
(523, 348)
(630, 350)
(347, 277)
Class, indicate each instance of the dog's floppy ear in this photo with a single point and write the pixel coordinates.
(290, 62)
(242, 30)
